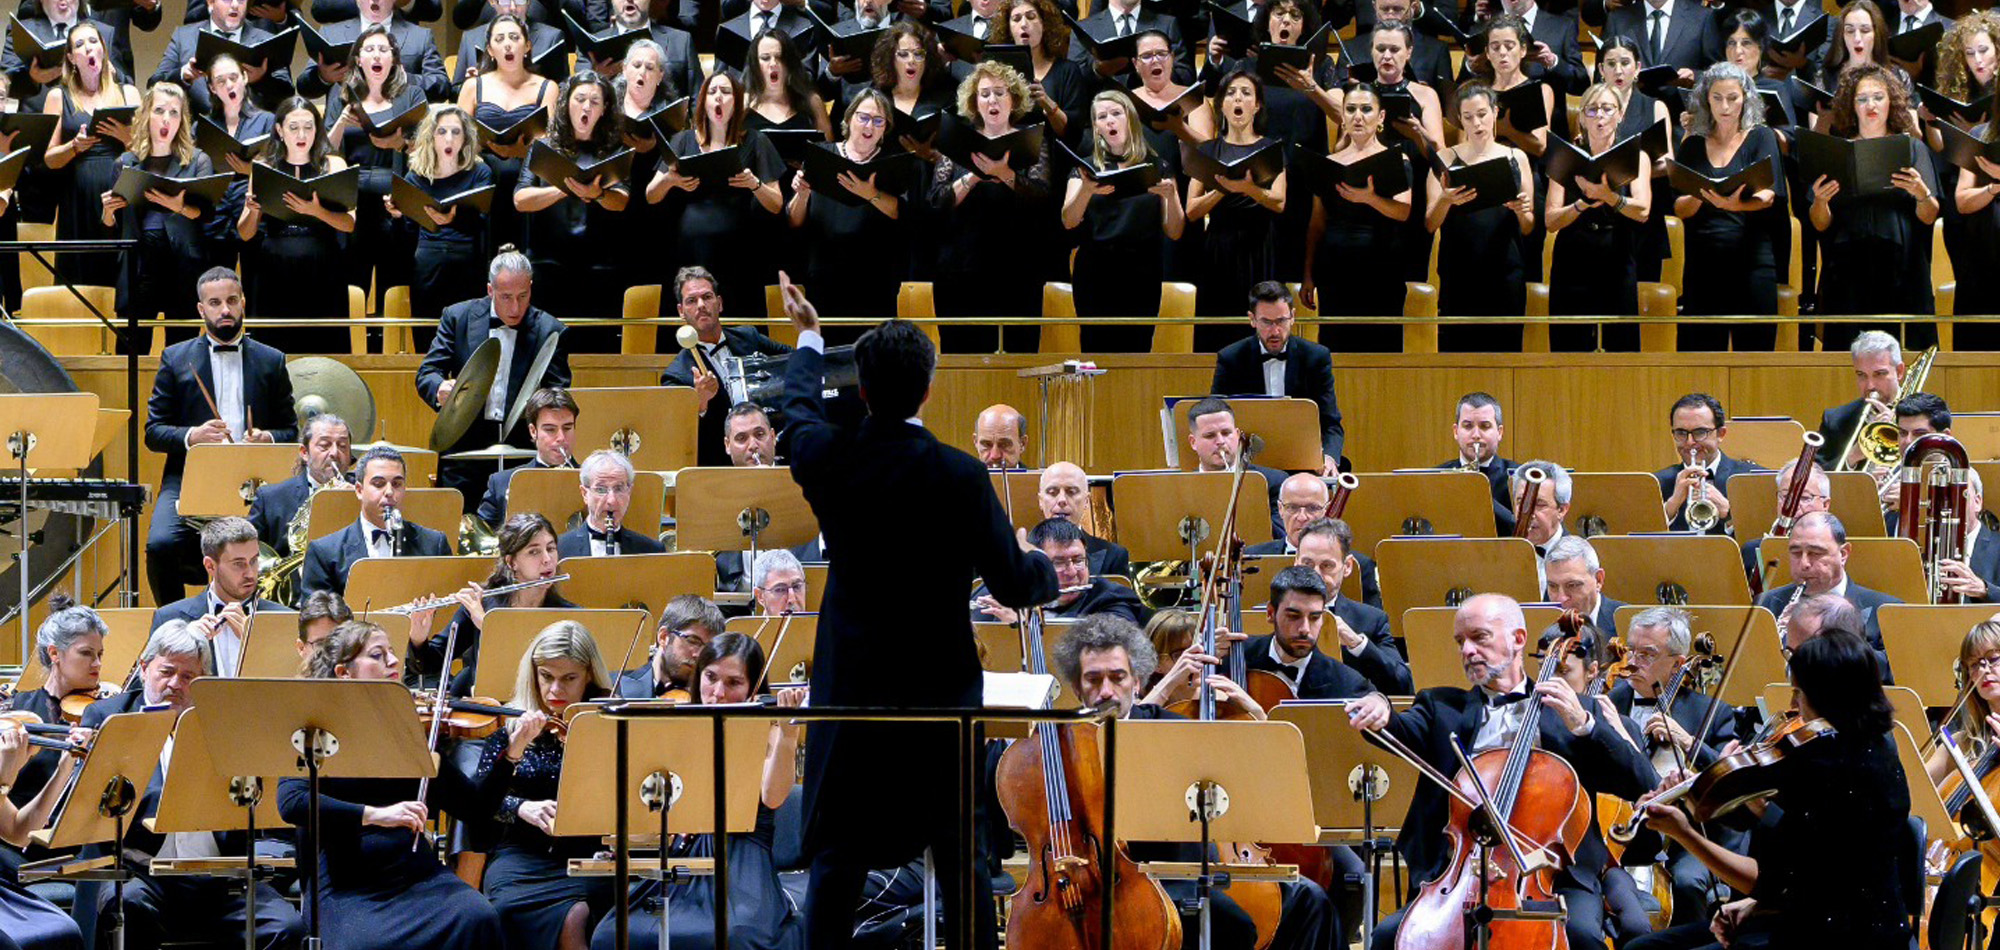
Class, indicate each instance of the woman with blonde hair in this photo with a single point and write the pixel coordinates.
(450, 261)
(173, 248)
(991, 213)
(527, 878)
(86, 151)
(1120, 261)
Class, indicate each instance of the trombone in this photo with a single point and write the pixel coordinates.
(1877, 437)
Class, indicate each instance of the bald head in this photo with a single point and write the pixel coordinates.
(1065, 492)
(1491, 634)
(1301, 501)
(999, 435)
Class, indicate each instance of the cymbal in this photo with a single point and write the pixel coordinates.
(467, 402)
(492, 453)
(322, 385)
(532, 381)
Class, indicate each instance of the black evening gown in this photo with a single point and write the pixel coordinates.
(504, 224)
(450, 265)
(1834, 864)
(1357, 267)
(854, 253)
(30, 922)
(1239, 247)
(1594, 272)
(761, 916)
(1292, 118)
(1480, 274)
(381, 249)
(224, 247)
(1119, 266)
(720, 225)
(1878, 255)
(980, 243)
(91, 174)
(1732, 264)
(1978, 281)
(376, 892)
(574, 247)
(294, 271)
(159, 274)
(1650, 244)
(781, 253)
(527, 877)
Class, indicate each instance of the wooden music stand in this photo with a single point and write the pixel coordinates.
(644, 580)
(556, 493)
(435, 508)
(1162, 508)
(1427, 572)
(659, 419)
(1434, 659)
(1923, 642)
(220, 475)
(1026, 507)
(1979, 432)
(1765, 441)
(1753, 503)
(1345, 764)
(782, 661)
(272, 650)
(1390, 504)
(196, 795)
(1890, 565)
(379, 583)
(1604, 503)
(1762, 661)
(111, 427)
(127, 747)
(741, 509)
(1288, 427)
(504, 639)
(41, 431)
(1924, 800)
(678, 747)
(1701, 569)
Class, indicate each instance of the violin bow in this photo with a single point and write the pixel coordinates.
(1395, 747)
(437, 715)
(1722, 682)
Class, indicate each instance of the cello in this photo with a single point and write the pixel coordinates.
(1542, 809)
(1051, 786)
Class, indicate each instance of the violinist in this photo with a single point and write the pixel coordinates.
(175, 907)
(1660, 640)
(29, 921)
(551, 416)
(322, 611)
(172, 247)
(727, 672)
(1829, 867)
(527, 552)
(376, 891)
(1492, 638)
(687, 623)
(1976, 727)
(1062, 541)
(606, 485)
(222, 611)
(527, 877)
(69, 645)
(1107, 660)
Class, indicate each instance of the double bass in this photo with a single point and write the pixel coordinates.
(1051, 786)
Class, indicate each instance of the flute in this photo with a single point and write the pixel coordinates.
(419, 606)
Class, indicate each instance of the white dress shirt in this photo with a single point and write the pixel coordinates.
(1274, 371)
(1297, 667)
(227, 643)
(227, 369)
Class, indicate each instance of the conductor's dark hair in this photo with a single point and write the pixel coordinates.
(1841, 677)
(1270, 291)
(1207, 406)
(1055, 531)
(1928, 405)
(895, 362)
(380, 453)
(725, 645)
(550, 398)
(214, 274)
(1104, 632)
(1298, 580)
(322, 605)
(1700, 401)
(1333, 528)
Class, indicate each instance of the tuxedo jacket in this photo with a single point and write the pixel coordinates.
(1103, 597)
(177, 405)
(742, 341)
(1694, 33)
(1725, 469)
(1239, 371)
(1606, 620)
(422, 62)
(1603, 761)
(114, 21)
(1984, 561)
(462, 327)
(267, 94)
(1861, 597)
(1371, 588)
(1100, 25)
(1836, 425)
(192, 608)
(1382, 663)
(804, 33)
(1325, 678)
(576, 542)
(328, 559)
(1107, 557)
(274, 509)
(1690, 708)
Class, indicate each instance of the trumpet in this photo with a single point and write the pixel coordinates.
(1700, 513)
(419, 606)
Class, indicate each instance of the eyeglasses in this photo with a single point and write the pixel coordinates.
(606, 491)
(688, 638)
(1648, 654)
(1063, 562)
(1154, 55)
(786, 590)
(865, 118)
(1289, 510)
(1987, 662)
(1600, 111)
(1871, 98)
(1692, 435)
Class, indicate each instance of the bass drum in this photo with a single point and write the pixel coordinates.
(25, 367)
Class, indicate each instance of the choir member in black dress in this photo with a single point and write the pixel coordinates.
(1597, 226)
(1732, 264)
(10, 216)
(172, 251)
(226, 19)
(497, 99)
(450, 262)
(231, 106)
(907, 66)
(1059, 87)
(1828, 865)
(69, 647)
(643, 85)
(1745, 43)
(290, 267)
(1877, 247)
(86, 151)
(377, 890)
(990, 213)
(1389, 48)
(1239, 248)
(1479, 253)
(1618, 67)
(1121, 261)
(573, 225)
(376, 91)
(1507, 46)
(527, 878)
(729, 670)
(1861, 37)
(33, 81)
(778, 91)
(1976, 190)
(526, 551)
(720, 221)
(1351, 247)
(27, 920)
(854, 252)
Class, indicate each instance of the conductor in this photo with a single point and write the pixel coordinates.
(893, 631)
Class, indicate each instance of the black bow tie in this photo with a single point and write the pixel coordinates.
(596, 535)
(223, 347)
(1278, 357)
(1505, 699)
(379, 536)
(218, 607)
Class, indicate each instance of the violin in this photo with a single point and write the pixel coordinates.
(75, 703)
(1740, 778)
(473, 718)
(40, 735)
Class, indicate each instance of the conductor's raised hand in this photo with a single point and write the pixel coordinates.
(805, 317)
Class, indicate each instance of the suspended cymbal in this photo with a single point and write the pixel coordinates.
(532, 381)
(467, 401)
(492, 453)
(323, 385)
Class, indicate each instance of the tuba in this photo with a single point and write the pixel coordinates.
(1935, 479)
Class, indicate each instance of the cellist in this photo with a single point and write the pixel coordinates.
(1106, 659)
(1492, 640)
